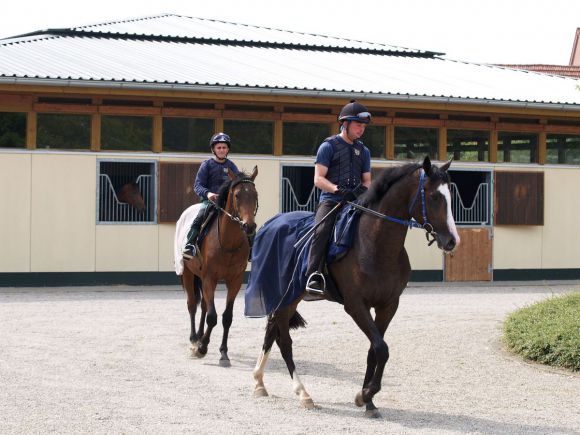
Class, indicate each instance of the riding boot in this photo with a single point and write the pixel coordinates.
(191, 249)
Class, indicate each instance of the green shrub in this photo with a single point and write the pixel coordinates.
(547, 332)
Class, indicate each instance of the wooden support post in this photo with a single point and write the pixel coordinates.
(542, 144)
(493, 140)
(31, 127)
(95, 132)
(278, 131)
(390, 136)
(218, 123)
(442, 144)
(157, 134)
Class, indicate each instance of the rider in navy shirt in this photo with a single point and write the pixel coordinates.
(211, 175)
(343, 163)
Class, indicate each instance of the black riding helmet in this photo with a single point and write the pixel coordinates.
(354, 111)
(220, 137)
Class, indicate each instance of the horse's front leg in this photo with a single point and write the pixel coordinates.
(377, 357)
(209, 285)
(227, 317)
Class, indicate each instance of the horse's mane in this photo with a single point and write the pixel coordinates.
(229, 184)
(385, 180)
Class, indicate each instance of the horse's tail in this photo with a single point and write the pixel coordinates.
(196, 287)
(297, 321)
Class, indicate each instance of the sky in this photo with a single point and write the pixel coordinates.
(483, 31)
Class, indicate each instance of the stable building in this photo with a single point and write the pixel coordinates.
(86, 110)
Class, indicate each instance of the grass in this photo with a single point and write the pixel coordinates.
(547, 332)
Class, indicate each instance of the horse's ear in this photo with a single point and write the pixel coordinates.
(446, 165)
(427, 166)
(254, 173)
(231, 174)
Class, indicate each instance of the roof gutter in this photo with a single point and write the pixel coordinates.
(282, 92)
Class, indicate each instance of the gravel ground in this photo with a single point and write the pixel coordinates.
(118, 360)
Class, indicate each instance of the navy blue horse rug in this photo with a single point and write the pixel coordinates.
(278, 275)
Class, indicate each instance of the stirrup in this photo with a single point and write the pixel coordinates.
(317, 278)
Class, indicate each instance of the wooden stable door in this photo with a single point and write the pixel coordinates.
(472, 260)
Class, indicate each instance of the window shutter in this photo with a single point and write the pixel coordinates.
(519, 198)
(176, 189)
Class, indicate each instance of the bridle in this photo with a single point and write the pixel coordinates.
(410, 223)
(235, 217)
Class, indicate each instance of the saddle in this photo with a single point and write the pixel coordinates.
(209, 216)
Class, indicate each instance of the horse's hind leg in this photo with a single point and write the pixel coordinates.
(284, 319)
(269, 338)
(209, 286)
(198, 289)
(187, 281)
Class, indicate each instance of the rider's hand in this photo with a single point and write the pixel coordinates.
(346, 193)
(212, 196)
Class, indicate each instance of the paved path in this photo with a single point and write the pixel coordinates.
(117, 360)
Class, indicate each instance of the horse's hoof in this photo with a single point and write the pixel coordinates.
(373, 413)
(358, 400)
(225, 362)
(307, 403)
(199, 354)
(260, 392)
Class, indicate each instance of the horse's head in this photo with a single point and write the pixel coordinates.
(433, 208)
(130, 194)
(244, 199)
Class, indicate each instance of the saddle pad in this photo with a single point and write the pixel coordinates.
(181, 229)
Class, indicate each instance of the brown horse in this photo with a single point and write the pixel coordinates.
(223, 256)
(375, 271)
(129, 193)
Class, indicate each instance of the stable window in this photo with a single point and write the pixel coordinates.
(57, 131)
(187, 134)
(126, 191)
(517, 147)
(415, 143)
(471, 202)
(250, 137)
(303, 138)
(298, 192)
(468, 145)
(374, 139)
(563, 149)
(126, 133)
(12, 130)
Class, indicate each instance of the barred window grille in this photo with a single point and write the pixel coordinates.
(112, 176)
(475, 213)
(298, 192)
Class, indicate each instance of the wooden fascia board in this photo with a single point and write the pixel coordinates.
(81, 109)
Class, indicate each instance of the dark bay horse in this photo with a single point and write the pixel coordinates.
(223, 256)
(375, 271)
(130, 194)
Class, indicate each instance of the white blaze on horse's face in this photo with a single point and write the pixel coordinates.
(444, 190)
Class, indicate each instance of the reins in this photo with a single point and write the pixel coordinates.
(410, 223)
(233, 217)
